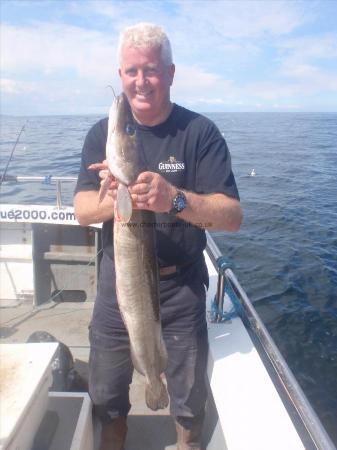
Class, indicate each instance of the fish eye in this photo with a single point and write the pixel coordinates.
(130, 129)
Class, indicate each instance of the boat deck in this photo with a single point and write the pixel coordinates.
(248, 407)
(68, 322)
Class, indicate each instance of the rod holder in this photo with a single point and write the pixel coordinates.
(222, 265)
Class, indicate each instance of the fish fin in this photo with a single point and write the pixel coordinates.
(156, 395)
(97, 166)
(104, 189)
(162, 356)
(123, 203)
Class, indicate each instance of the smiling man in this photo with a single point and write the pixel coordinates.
(188, 182)
(146, 82)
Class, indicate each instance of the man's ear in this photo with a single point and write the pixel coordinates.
(172, 70)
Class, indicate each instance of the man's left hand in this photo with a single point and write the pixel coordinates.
(151, 191)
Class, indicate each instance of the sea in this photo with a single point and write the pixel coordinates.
(285, 255)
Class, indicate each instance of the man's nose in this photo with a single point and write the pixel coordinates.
(141, 79)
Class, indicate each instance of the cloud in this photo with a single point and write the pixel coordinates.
(287, 106)
(13, 87)
(51, 49)
(242, 19)
(310, 63)
(229, 54)
(309, 48)
(192, 79)
(231, 18)
(62, 68)
(213, 31)
(312, 79)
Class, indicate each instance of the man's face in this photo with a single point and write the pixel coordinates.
(146, 82)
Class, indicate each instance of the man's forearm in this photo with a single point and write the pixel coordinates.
(88, 210)
(212, 211)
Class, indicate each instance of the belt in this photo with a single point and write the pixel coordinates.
(168, 270)
(171, 270)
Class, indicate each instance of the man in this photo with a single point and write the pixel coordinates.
(190, 186)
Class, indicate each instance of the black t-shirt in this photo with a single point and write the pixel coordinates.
(189, 151)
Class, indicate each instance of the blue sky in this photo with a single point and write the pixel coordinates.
(57, 57)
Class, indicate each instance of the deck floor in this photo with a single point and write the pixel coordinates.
(68, 322)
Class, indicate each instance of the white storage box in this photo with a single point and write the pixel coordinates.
(68, 423)
(25, 377)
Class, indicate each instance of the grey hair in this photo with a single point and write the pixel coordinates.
(146, 35)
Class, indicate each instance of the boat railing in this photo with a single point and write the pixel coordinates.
(48, 179)
(253, 322)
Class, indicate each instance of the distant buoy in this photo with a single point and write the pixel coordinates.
(253, 173)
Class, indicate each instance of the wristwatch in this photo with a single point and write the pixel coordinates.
(178, 203)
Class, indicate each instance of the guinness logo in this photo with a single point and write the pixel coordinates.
(171, 165)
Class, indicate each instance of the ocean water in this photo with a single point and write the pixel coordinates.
(285, 255)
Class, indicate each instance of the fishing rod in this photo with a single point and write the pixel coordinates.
(11, 155)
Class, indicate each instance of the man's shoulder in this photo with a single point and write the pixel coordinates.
(99, 129)
(195, 122)
(95, 140)
(192, 117)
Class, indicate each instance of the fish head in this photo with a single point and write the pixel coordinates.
(121, 146)
(125, 125)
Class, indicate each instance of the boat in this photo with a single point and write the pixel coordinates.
(49, 267)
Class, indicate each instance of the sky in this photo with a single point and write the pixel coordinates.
(59, 56)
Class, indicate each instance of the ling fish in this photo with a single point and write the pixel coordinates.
(137, 273)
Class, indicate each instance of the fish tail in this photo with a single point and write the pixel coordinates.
(156, 395)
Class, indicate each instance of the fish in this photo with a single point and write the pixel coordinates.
(136, 265)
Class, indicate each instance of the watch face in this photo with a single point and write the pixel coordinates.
(179, 201)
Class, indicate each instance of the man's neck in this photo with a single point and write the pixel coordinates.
(153, 121)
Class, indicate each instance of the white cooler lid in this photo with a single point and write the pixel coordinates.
(23, 369)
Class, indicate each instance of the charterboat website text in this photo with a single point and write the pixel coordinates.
(34, 214)
(167, 225)
(41, 214)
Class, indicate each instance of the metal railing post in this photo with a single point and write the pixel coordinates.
(46, 180)
(59, 194)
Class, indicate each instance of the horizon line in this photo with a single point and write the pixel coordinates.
(200, 112)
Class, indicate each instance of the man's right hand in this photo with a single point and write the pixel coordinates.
(89, 207)
(105, 173)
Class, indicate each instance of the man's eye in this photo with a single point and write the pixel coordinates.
(151, 71)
